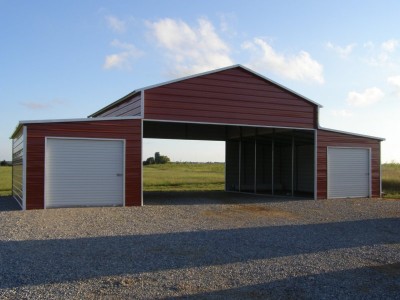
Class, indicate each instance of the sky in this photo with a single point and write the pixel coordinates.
(67, 59)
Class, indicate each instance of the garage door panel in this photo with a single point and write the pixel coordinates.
(348, 172)
(82, 172)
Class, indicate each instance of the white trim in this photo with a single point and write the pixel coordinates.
(226, 124)
(141, 164)
(316, 165)
(370, 171)
(45, 173)
(225, 182)
(124, 171)
(83, 138)
(24, 165)
(80, 120)
(21, 123)
(380, 174)
(142, 103)
(327, 170)
(350, 133)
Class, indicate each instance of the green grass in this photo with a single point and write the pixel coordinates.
(5, 181)
(391, 180)
(184, 177)
(206, 177)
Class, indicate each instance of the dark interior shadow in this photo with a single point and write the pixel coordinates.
(211, 197)
(8, 203)
(381, 282)
(34, 262)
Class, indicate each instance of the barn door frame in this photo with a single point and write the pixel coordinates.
(369, 169)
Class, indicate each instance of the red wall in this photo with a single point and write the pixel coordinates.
(130, 130)
(332, 139)
(233, 96)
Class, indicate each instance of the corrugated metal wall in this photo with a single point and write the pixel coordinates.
(128, 107)
(130, 130)
(233, 96)
(17, 166)
(334, 139)
(271, 161)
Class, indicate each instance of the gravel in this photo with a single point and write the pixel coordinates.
(203, 245)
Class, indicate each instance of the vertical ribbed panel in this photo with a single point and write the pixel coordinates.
(348, 172)
(84, 172)
(17, 165)
(305, 168)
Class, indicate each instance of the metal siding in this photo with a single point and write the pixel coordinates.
(83, 172)
(335, 139)
(129, 107)
(305, 168)
(348, 172)
(130, 130)
(232, 96)
(18, 167)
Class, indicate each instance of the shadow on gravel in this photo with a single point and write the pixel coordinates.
(34, 262)
(360, 283)
(211, 197)
(8, 204)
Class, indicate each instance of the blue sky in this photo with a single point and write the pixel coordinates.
(67, 59)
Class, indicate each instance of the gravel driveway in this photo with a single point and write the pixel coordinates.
(203, 245)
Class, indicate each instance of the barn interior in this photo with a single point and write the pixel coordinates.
(259, 160)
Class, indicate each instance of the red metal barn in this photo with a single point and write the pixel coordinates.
(274, 144)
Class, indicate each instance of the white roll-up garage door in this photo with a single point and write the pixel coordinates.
(84, 172)
(348, 172)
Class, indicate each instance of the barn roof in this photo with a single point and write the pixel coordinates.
(198, 75)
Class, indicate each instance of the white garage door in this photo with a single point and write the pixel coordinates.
(348, 172)
(84, 172)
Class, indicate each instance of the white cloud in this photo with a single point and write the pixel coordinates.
(382, 56)
(116, 24)
(390, 45)
(395, 81)
(35, 105)
(191, 49)
(344, 113)
(124, 58)
(296, 67)
(341, 51)
(365, 98)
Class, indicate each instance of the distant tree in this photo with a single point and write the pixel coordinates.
(3, 163)
(157, 157)
(163, 159)
(150, 161)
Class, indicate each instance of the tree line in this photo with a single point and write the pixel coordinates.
(157, 159)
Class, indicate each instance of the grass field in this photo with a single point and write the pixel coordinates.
(206, 177)
(391, 180)
(5, 181)
(184, 177)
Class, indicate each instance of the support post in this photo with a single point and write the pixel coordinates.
(292, 164)
(273, 159)
(240, 160)
(255, 162)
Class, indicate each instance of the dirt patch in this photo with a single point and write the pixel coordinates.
(249, 211)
